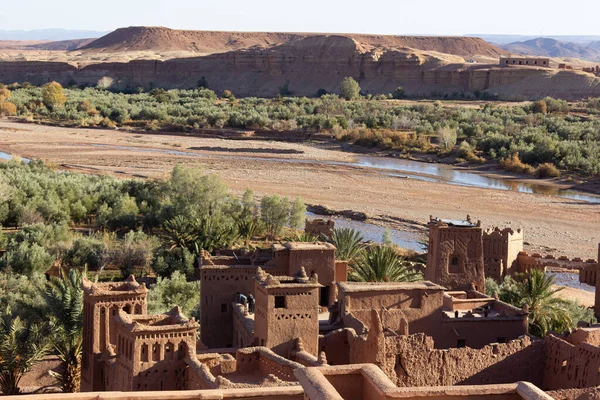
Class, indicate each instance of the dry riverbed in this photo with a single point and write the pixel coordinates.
(552, 224)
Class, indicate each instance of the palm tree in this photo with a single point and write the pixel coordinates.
(546, 311)
(64, 308)
(348, 243)
(177, 232)
(382, 264)
(21, 347)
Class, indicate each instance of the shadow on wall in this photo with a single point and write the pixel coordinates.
(525, 365)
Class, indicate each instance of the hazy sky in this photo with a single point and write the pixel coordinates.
(447, 17)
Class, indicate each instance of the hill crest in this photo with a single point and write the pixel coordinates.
(142, 38)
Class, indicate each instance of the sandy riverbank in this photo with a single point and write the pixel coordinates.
(552, 224)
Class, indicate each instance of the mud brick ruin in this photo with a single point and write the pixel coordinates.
(309, 333)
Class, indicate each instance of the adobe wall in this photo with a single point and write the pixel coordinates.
(413, 361)
(102, 302)
(480, 332)
(218, 287)
(525, 61)
(278, 327)
(253, 359)
(570, 366)
(528, 262)
(455, 257)
(421, 310)
(243, 326)
(319, 227)
(500, 251)
(575, 394)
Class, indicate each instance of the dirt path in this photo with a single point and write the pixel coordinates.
(556, 225)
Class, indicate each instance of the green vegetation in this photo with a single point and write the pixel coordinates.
(349, 89)
(382, 264)
(547, 312)
(149, 228)
(547, 132)
(22, 345)
(348, 243)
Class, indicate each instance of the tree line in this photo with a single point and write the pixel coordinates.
(548, 132)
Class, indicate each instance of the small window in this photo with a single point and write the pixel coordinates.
(224, 307)
(460, 343)
(454, 267)
(563, 367)
(279, 301)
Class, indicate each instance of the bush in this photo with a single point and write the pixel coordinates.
(53, 95)
(513, 163)
(547, 170)
(398, 93)
(7, 109)
(167, 293)
(26, 259)
(274, 213)
(447, 137)
(349, 89)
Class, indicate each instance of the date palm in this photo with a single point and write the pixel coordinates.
(63, 307)
(382, 264)
(546, 311)
(348, 243)
(22, 345)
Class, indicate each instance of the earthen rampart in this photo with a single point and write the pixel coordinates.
(570, 366)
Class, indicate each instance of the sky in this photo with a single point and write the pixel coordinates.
(437, 17)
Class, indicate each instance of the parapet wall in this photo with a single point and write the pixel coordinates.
(412, 361)
(570, 366)
(528, 262)
(243, 326)
(252, 359)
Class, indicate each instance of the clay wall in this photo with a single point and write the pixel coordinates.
(570, 366)
(413, 361)
(243, 326)
(500, 251)
(102, 302)
(273, 393)
(525, 61)
(319, 227)
(527, 262)
(253, 359)
(420, 309)
(283, 314)
(218, 287)
(151, 357)
(455, 257)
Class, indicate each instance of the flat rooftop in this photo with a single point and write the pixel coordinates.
(355, 287)
(308, 246)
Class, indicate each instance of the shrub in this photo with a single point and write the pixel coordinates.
(547, 170)
(398, 93)
(447, 137)
(513, 163)
(7, 109)
(167, 293)
(274, 213)
(540, 107)
(53, 95)
(349, 89)
(297, 214)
